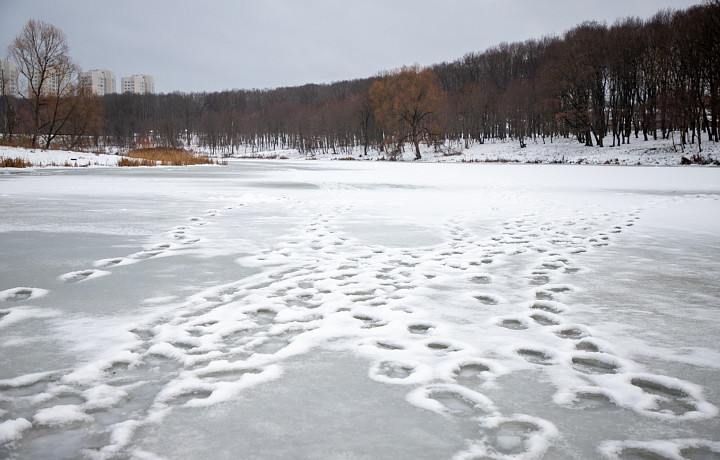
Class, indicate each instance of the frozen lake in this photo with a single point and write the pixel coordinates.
(347, 310)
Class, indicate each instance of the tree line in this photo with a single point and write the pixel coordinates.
(602, 85)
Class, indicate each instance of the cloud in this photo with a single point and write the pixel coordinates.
(221, 44)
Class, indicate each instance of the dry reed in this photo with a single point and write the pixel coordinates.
(14, 163)
(166, 157)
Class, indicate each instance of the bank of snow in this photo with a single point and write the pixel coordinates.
(661, 152)
(559, 150)
(60, 158)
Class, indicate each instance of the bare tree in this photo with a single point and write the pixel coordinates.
(41, 54)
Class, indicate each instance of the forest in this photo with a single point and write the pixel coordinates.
(602, 85)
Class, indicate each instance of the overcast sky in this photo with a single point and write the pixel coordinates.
(212, 45)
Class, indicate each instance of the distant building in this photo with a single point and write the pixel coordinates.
(101, 82)
(55, 83)
(138, 84)
(9, 79)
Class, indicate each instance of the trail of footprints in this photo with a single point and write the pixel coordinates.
(592, 360)
(660, 396)
(36, 405)
(319, 286)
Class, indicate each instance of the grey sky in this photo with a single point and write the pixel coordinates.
(211, 45)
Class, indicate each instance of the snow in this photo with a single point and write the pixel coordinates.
(11, 430)
(59, 158)
(61, 415)
(10, 316)
(653, 152)
(660, 152)
(323, 309)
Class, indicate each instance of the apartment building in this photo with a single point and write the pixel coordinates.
(9, 79)
(138, 84)
(101, 82)
(56, 83)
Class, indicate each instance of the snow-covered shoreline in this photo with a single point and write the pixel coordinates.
(58, 158)
(660, 152)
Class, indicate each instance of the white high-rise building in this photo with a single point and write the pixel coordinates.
(55, 83)
(9, 79)
(138, 84)
(101, 82)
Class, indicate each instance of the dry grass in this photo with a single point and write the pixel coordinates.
(125, 161)
(14, 163)
(166, 157)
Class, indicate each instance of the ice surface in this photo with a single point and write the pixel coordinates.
(360, 310)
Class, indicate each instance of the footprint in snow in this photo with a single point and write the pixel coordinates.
(671, 398)
(591, 400)
(570, 332)
(106, 263)
(471, 374)
(488, 299)
(420, 328)
(545, 318)
(481, 279)
(548, 306)
(513, 323)
(587, 345)
(82, 275)
(691, 449)
(441, 347)
(388, 345)
(392, 371)
(21, 293)
(368, 321)
(451, 399)
(535, 356)
(595, 363)
(517, 436)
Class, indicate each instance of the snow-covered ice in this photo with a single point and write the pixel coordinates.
(283, 309)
